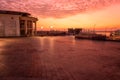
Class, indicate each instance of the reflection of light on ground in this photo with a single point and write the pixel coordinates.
(73, 41)
(42, 42)
(47, 43)
(2, 46)
(2, 58)
(2, 63)
(52, 44)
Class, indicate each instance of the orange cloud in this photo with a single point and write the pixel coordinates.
(55, 8)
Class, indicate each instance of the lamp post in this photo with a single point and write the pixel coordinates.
(51, 28)
(41, 28)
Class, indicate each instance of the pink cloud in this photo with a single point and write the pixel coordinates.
(55, 8)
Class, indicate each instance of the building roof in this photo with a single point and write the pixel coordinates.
(14, 13)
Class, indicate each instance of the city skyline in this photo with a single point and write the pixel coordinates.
(63, 14)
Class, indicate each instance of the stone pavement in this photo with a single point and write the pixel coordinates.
(57, 59)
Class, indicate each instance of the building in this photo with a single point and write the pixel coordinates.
(13, 23)
(77, 30)
(70, 31)
(74, 31)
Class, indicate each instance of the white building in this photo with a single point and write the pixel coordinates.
(14, 23)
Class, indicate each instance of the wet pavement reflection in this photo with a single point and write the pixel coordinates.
(58, 58)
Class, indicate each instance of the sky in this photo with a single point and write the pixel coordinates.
(63, 14)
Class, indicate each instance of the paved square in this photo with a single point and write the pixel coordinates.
(58, 58)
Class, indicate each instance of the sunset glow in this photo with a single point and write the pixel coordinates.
(63, 14)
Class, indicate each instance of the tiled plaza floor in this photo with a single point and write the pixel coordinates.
(58, 59)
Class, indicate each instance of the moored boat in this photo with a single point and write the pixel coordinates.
(84, 35)
(99, 37)
(114, 36)
(90, 35)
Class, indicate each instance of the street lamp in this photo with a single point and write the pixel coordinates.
(41, 28)
(51, 27)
